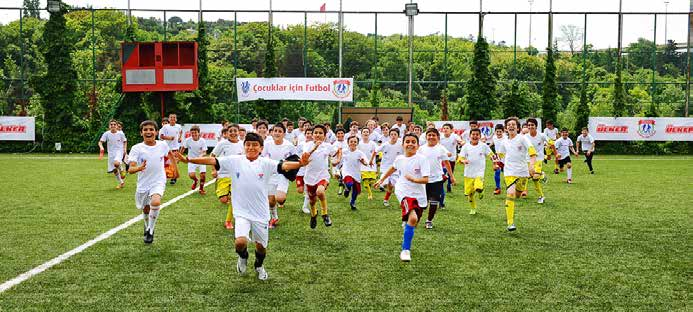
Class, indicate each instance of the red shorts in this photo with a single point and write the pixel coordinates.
(408, 204)
(299, 181)
(357, 185)
(313, 189)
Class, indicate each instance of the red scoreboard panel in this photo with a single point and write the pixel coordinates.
(159, 66)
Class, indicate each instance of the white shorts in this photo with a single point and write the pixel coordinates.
(113, 157)
(193, 167)
(144, 198)
(392, 179)
(277, 183)
(259, 230)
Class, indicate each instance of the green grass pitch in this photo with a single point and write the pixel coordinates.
(616, 240)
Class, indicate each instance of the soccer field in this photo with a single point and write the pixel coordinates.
(619, 239)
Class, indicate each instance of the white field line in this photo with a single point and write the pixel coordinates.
(47, 265)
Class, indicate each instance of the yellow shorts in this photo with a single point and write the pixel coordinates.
(223, 186)
(369, 175)
(473, 184)
(537, 169)
(519, 182)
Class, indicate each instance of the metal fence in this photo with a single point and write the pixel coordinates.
(105, 55)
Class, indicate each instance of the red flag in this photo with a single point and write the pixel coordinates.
(322, 7)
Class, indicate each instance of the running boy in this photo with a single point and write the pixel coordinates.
(277, 149)
(473, 156)
(451, 141)
(496, 141)
(117, 146)
(352, 159)
(230, 145)
(586, 144)
(437, 156)
(172, 133)
(147, 160)
(197, 147)
(539, 141)
(390, 149)
(564, 145)
(369, 171)
(317, 176)
(413, 171)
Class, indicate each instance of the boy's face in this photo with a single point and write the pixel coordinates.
(262, 130)
(232, 133)
(195, 134)
(584, 132)
(564, 134)
(474, 126)
(318, 135)
(148, 133)
(394, 135)
(290, 128)
(511, 126)
(353, 143)
(532, 127)
(365, 134)
(277, 133)
(113, 126)
(172, 119)
(417, 130)
(550, 126)
(432, 138)
(446, 130)
(340, 135)
(354, 128)
(411, 144)
(499, 133)
(475, 136)
(241, 135)
(309, 135)
(252, 149)
(306, 126)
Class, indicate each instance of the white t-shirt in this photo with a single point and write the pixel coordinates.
(368, 149)
(227, 148)
(249, 188)
(539, 142)
(497, 143)
(476, 154)
(586, 142)
(416, 166)
(516, 153)
(154, 174)
(278, 152)
(551, 134)
(317, 168)
(298, 150)
(115, 142)
(330, 137)
(390, 153)
(175, 132)
(337, 145)
(402, 129)
(375, 137)
(195, 148)
(450, 143)
(289, 136)
(351, 163)
(434, 155)
(563, 147)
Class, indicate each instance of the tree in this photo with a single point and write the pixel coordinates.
(583, 110)
(549, 88)
(481, 89)
(515, 102)
(619, 108)
(203, 99)
(640, 53)
(32, 8)
(571, 35)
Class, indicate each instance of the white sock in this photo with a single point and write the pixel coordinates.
(153, 215)
(570, 173)
(273, 212)
(117, 175)
(306, 201)
(145, 218)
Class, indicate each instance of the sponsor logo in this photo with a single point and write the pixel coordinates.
(486, 128)
(12, 129)
(341, 88)
(646, 128)
(678, 129)
(245, 88)
(260, 175)
(602, 128)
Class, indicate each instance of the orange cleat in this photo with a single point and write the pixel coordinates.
(497, 191)
(228, 225)
(273, 223)
(202, 192)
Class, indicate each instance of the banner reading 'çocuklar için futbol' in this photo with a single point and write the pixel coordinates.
(307, 89)
(17, 128)
(641, 128)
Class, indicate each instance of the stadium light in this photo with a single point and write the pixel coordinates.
(411, 9)
(54, 6)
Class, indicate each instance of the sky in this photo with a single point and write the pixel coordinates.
(601, 32)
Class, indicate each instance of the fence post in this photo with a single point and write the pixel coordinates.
(235, 66)
(445, 52)
(305, 44)
(93, 99)
(654, 63)
(165, 26)
(21, 60)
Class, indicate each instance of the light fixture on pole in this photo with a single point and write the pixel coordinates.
(411, 10)
(666, 19)
(54, 6)
(530, 22)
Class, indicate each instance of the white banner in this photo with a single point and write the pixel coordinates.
(641, 128)
(17, 128)
(486, 126)
(310, 89)
(209, 132)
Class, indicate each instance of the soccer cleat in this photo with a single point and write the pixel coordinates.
(511, 227)
(592, 172)
(405, 255)
(429, 225)
(545, 161)
(346, 192)
(194, 186)
(326, 220)
(353, 207)
(273, 223)
(228, 225)
(382, 189)
(241, 265)
(173, 181)
(261, 273)
(340, 190)
(524, 194)
(449, 190)
(306, 210)
(540, 200)
(497, 191)
(555, 171)
(570, 181)
(202, 192)
(313, 221)
(370, 197)
(404, 223)
(148, 238)
(472, 211)
(386, 203)
(120, 186)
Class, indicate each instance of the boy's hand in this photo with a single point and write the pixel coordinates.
(377, 184)
(142, 166)
(100, 153)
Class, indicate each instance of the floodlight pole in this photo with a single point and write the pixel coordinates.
(341, 28)
(130, 15)
(530, 22)
(620, 33)
(550, 47)
(688, 58)
(410, 9)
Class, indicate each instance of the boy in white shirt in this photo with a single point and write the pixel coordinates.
(369, 172)
(172, 134)
(539, 141)
(399, 125)
(251, 174)
(437, 157)
(230, 145)
(564, 145)
(450, 141)
(352, 159)
(147, 160)
(551, 132)
(413, 171)
(515, 149)
(300, 185)
(585, 143)
(473, 156)
(317, 176)
(496, 141)
(390, 149)
(117, 146)
(277, 149)
(197, 147)
(339, 144)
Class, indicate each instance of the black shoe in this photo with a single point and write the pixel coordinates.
(545, 161)
(326, 220)
(346, 192)
(592, 172)
(382, 189)
(173, 181)
(353, 207)
(449, 189)
(313, 221)
(149, 238)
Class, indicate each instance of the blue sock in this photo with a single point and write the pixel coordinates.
(354, 194)
(496, 177)
(408, 236)
(442, 198)
(349, 185)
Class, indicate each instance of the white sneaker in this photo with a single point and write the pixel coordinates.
(404, 223)
(386, 203)
(429, 225)
(306, 210)
(540, 200)
(241, 265)
(405, 255)
(261, 273)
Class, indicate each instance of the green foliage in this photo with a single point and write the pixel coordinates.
(619, 106)
(583, 110)
(481, 89)
(32, 8)
(549, 88)
(515, 102)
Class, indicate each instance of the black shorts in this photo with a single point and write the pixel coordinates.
(562, 162)
(434, 191)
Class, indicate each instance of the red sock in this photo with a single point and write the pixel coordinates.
(194, 179)
(202, 183)
(387, 195)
